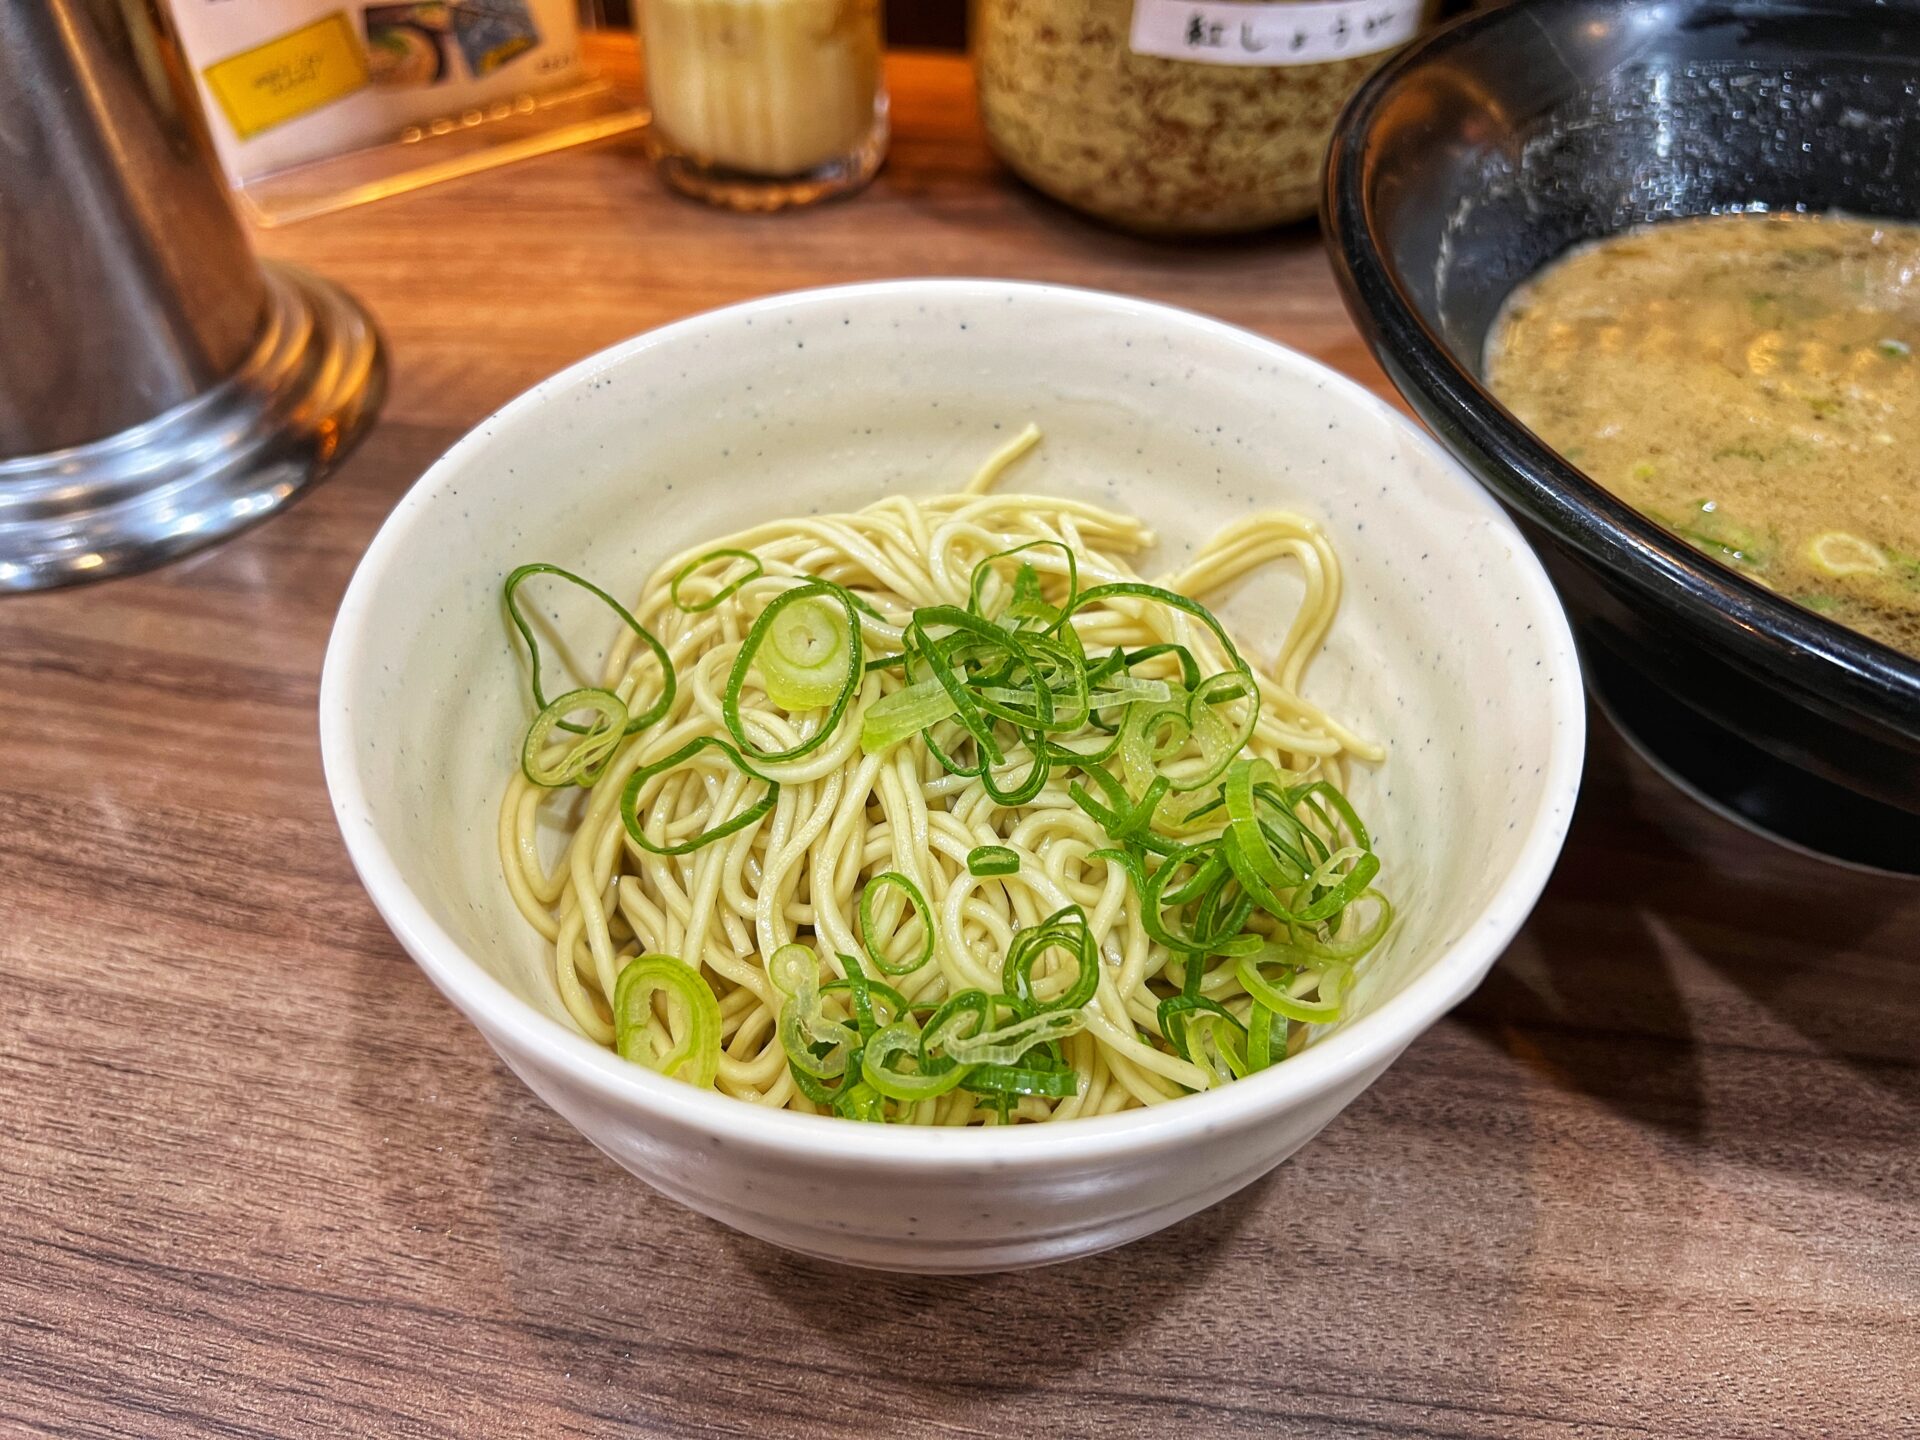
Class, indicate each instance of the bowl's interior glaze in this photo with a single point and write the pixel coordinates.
(1449, 646)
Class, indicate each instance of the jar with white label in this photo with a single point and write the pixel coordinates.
(1190, 117)
(759, 104)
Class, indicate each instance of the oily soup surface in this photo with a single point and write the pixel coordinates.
(1749, 382)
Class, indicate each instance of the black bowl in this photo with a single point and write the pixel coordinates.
(1487, 149)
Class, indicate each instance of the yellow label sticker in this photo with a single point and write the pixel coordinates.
(290, 76)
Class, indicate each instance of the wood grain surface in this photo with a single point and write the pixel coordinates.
(1658, 1177)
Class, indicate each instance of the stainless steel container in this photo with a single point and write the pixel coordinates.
(159, 386)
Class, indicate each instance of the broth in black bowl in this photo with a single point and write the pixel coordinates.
(1489, 150)
(1748, 381)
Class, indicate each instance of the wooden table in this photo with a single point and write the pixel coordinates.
(1658, 1176)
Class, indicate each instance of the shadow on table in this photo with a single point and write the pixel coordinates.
(676, 1322)
(1668, 932)
(1012, 1329)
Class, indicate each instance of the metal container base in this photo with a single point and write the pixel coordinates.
(205, 469)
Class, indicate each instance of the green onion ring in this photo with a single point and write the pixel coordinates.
(1009, 1044)
(1280, 1000)
(862, 991)
(860, 1101)
(984, 569)
(992, 861)
(700, 606)
(792, 966)
(1065, 929)
(1023, 1080)
(904, 713)
(804, 1030)
(1179, 1017)
(946, 1022)
(511, 593)
(630, 798)
(586, 758)
(805, 661)
(900, 1038)
(916, 902)
(1261, 1024)
(1241, 670)
(698, 1049)
(749, 647)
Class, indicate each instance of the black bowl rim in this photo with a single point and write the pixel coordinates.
(1751, 621)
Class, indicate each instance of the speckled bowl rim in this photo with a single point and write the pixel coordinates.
(1336, 1060)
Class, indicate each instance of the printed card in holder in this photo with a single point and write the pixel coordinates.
(316, 105)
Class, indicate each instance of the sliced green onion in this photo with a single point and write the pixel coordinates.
(687, 1046)
(979, 643)
(1010, 1043)
(1237, 793)
(806, 659)
(1058, 669)
(1280, 997)
(863, 992)
(1313, 948)
(1840, 553)
(584, 759)
(871, 941)
(876, 1066)
(1065, 929)
(1030, 785)
(963, 1014)
(903, 714)
(1115, 699)
(860, 1101)
(1264, 1029)
(1125, 820)
(818, 1047)
(512, 596)
(1128, 659)
(875, 1003)
(1026, 603)
(938, 658)
(1149, 735)
(1126, 689)
(1208, 692)
(850, 670)
(686, 573)
(1332, 889)
(792, 966)
(815, 1089)
(992, 860)
(630, 798)
(815, 1045)
(1319, 791)
(1192, 1024)
(1023, 1080)
(1216, 930)
(1218, 742)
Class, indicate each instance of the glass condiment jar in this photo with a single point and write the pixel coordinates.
(759, 104)
(1189, 117)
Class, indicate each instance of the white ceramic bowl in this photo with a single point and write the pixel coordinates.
(1450, 647)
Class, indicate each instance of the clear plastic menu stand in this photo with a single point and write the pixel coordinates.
(317, 105)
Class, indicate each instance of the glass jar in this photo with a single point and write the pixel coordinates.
(759, 104)
(1190, 117)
